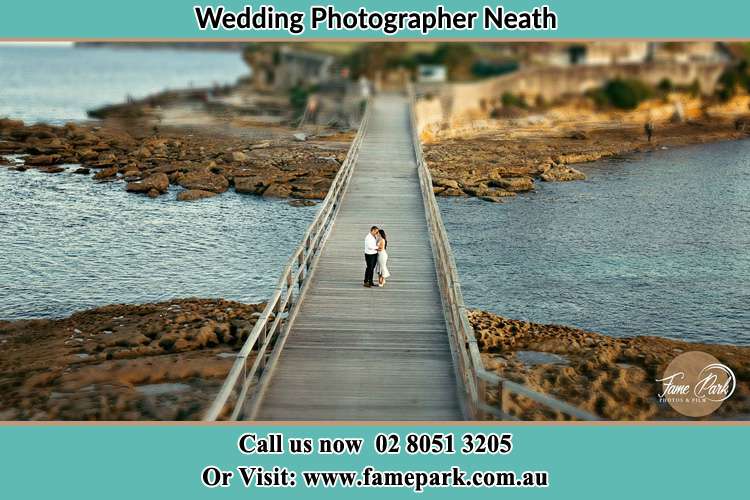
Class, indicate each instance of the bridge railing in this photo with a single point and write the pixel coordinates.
(486, 393)
(255, 358)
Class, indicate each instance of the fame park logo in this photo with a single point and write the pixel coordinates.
(696, 384)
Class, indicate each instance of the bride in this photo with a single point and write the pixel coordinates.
(382, 267)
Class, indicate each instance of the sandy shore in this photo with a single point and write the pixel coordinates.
(614, 378)
(163, 361)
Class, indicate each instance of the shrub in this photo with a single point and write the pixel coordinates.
(459, 58)
(665, 85)
(731, 79)
(298, 97)
(509, 99)
(695, 88)
(626, 93)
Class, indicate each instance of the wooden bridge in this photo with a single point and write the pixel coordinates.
(327, 348)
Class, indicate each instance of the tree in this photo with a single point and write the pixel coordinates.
(626, 93)
(459, 58)
(371, 58)
(731, 79)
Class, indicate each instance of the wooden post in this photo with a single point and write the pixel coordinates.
(261, 341)
(481, 397)
(503, 395)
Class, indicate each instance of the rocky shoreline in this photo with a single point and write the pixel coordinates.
(511, 156)
(199, 163)
(163, 361)
(166, 361)
(614, 378)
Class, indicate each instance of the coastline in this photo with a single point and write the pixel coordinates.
(167, 360)
(203, 160)
(511, 156)
(90, 368)
(159, 361)
(614, 378)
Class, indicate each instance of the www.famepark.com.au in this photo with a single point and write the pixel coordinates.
(370, 477)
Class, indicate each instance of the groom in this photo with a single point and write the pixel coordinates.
(371, 255)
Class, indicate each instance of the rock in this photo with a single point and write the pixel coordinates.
(153, 193)
(42, 160)
(310, 187)
(107, 173)
(104, 160)
(142, 153)
(437, 189)
(167, 169)
(446, 183)
(156, 182)
(251, 185)
(132, 174)
(513, 184)
(478, 191)
(237, 156)
(82, 139)
(452, 192)
(203, 180)
(310, 195)
(578, 135)
(11, 147)
(561, 173)
(195, 194)
(52, 170)
(106, 157)
(491, 199)
(302, 203)
(261, 145)
(8, 124)
(88, 155)
(45, 146)
(277, 191)
(82, 171)
(300, 136)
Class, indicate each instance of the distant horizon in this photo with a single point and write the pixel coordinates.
(47, 44)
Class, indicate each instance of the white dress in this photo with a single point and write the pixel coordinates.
(382, 267)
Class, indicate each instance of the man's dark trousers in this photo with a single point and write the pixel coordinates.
(370, 261)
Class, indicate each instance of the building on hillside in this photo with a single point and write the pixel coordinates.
(281, 67)
(690, 52)
(597, 53)
(432, 73)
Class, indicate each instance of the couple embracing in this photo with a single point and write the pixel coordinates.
(376, 257)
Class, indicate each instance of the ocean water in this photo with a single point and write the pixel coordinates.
(656, 244)
(68, 243)
(60, 83)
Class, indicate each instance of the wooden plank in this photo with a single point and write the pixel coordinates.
(374, 354)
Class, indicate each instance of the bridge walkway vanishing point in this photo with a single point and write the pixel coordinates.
(327, 348)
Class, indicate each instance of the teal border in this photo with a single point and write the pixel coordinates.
(162, 461)
(174, 19)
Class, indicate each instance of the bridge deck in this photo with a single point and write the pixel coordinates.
(356, 353)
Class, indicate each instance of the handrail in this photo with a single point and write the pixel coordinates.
(285, 299)
(473, 376)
